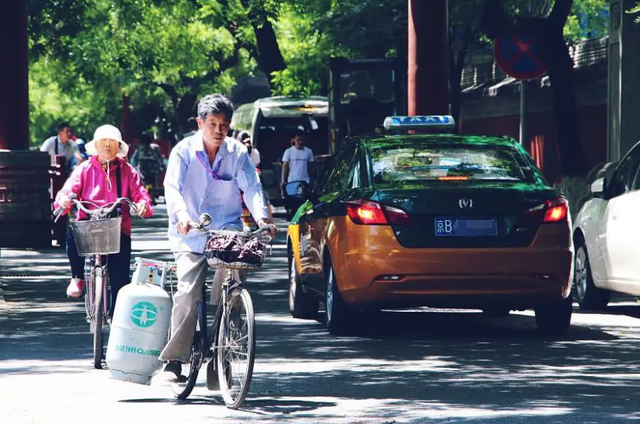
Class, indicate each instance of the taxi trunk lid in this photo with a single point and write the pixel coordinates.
(472, 214)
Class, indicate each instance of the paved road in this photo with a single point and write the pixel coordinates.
(411, 367)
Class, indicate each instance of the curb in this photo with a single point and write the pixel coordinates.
(3, 303)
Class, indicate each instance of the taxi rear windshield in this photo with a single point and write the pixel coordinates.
(449, 163)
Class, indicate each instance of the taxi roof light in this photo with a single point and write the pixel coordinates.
(419, 122)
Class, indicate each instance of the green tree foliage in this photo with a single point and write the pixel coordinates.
(305, 50)
(636, 10)
(375, 29)
(164, 54)
(53, 100)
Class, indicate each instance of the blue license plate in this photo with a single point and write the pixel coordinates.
(462, 227)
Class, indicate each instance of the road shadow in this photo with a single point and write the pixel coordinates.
(410, 364)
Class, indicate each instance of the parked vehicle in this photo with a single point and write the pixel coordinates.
(442, 220)
(607, 235)
(271, 122)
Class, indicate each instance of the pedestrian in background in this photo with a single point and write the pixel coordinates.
(245, 138)
(296, 161)
(62, 145)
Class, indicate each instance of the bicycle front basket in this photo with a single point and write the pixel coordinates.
(236, 250)
(98, 237)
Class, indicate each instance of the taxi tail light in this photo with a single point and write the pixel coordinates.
(366, 212)
(554, 210)
(397, 216)
(557, 210)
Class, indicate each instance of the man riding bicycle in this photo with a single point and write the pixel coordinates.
(101, 180)
(206, 174)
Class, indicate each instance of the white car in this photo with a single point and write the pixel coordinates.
(607, 236)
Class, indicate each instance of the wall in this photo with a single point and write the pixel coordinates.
(491, 105)
(630, 80)
(542, 141)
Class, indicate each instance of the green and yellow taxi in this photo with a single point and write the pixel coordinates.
(431, 219)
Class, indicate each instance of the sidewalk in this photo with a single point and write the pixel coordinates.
(29, 278)
(46, 271)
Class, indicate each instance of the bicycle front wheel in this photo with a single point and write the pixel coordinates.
(98, 317)
(236, 348)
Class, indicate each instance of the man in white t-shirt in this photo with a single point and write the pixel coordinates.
(62, 145)
(296, 161)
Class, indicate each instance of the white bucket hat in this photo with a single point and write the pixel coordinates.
(107, 132)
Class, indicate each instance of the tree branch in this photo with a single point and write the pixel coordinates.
(560, 12)
(494, 21)
(170, 90)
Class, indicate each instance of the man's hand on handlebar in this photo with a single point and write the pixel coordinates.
(273, 230)
(184, 222)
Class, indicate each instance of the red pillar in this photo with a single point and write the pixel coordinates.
(428, 68)
(14, 76)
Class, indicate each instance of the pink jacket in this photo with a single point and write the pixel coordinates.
(89, 182)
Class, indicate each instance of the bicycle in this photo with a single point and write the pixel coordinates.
(94, 238)
(232, 332)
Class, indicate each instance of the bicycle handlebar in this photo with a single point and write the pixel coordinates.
(203, 229)
(101, 210)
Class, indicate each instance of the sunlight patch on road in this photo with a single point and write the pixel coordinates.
(154, 245)
(372, 411)
(293, 366)
(280, 318)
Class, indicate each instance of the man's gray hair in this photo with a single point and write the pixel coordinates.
(215, 104)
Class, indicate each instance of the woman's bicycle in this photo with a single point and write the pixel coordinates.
(94, 238)
(228, 344)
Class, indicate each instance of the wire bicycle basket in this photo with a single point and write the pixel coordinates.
(97, 237)
(236, 250)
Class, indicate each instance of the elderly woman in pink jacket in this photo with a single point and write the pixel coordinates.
(101, 180)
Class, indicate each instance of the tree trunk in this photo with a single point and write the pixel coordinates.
(185, 109)
(561, 75)
(269, 56)
(554, 53)
(456, 67)
(455, 82)
(127, 119)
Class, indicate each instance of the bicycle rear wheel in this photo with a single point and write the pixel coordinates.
(236, 348)
(188, 376)
(98, 317)
(189, 373)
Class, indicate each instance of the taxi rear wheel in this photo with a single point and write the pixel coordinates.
(554, 318)
(301, 304)
(339, 318)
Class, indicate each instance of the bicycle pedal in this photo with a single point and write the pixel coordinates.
(212, 377)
